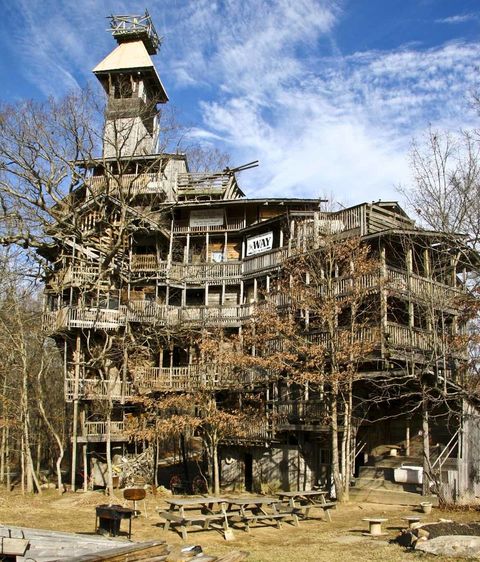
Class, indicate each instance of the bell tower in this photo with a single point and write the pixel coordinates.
(133, 87)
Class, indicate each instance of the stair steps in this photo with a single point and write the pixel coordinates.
(375, 483)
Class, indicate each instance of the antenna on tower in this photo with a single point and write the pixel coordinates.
(134, 28)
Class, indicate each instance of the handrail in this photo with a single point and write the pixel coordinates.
(448, 449)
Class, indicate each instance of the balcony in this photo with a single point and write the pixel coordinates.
(404, 337)
(148, 263)
(99, 318)
(152, 313)
(186, 378)
(434, 292)
(190, 378)
(96, 431)
(216, 315)
(128, 185)
(74, 275)
(73, 317)
(205, 272)
(183, 227)
(97, 389)
(265, 261)
(288, 414)
(143, 311)
(257, 432)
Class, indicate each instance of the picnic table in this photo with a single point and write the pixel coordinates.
(300, 502)
(195, 512)
(255, 509)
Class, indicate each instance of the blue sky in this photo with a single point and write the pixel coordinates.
(326, 94)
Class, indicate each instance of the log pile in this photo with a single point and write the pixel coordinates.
(136, 470)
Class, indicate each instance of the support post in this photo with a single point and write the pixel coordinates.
(85, 467)
(75, 412)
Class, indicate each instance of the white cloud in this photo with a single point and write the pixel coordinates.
(460, 18)
(57, 43)
(341, 124)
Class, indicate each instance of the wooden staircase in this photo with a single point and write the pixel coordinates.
(375, 484)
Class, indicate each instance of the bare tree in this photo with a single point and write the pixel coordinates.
(445, 192)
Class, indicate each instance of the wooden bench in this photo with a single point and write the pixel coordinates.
(305, 508)
(276, 518)
(186, 521)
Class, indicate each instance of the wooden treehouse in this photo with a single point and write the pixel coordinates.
(155, 253)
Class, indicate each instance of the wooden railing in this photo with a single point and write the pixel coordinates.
(94, 428)
(299, 411)
(147, 262)
(75, 274)
(129, 185)
(191, 181)
(185, 378)
(370, 335)
(143, 311)
(100, 318)
(191, 273)
(268, 260)
(73, 317)
(405, 337)
(88, 222)
(216, 315)
(151, 312)
(257, 431)
(398, 281)
(97, 389)
(351, 219)
(54, 321)
(191, 377)
(422, 287)
(184, 226)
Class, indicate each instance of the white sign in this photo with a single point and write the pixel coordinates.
(259, 244)
(210, 217)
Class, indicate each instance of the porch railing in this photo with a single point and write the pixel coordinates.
(97, 389)
(183, 226)
(194, 377)
(94, 428)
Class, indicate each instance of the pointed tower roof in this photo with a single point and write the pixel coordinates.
(137, 39)
(126, 56)
(131, 56)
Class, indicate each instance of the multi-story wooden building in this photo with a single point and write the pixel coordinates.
(154, 252)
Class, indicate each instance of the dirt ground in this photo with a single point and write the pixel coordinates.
(314, 540)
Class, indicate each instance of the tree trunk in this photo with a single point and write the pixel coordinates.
(109, 452)
(337, 477)
(426, 447)
(85, 467)
(75, 413)
(216, 469)
(7, 460)
(61, 450)
(22, 466)
(39, 454)
(184, 459)
(4, 432)
(2, 455)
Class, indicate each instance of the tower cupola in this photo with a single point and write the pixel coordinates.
(133, 87)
